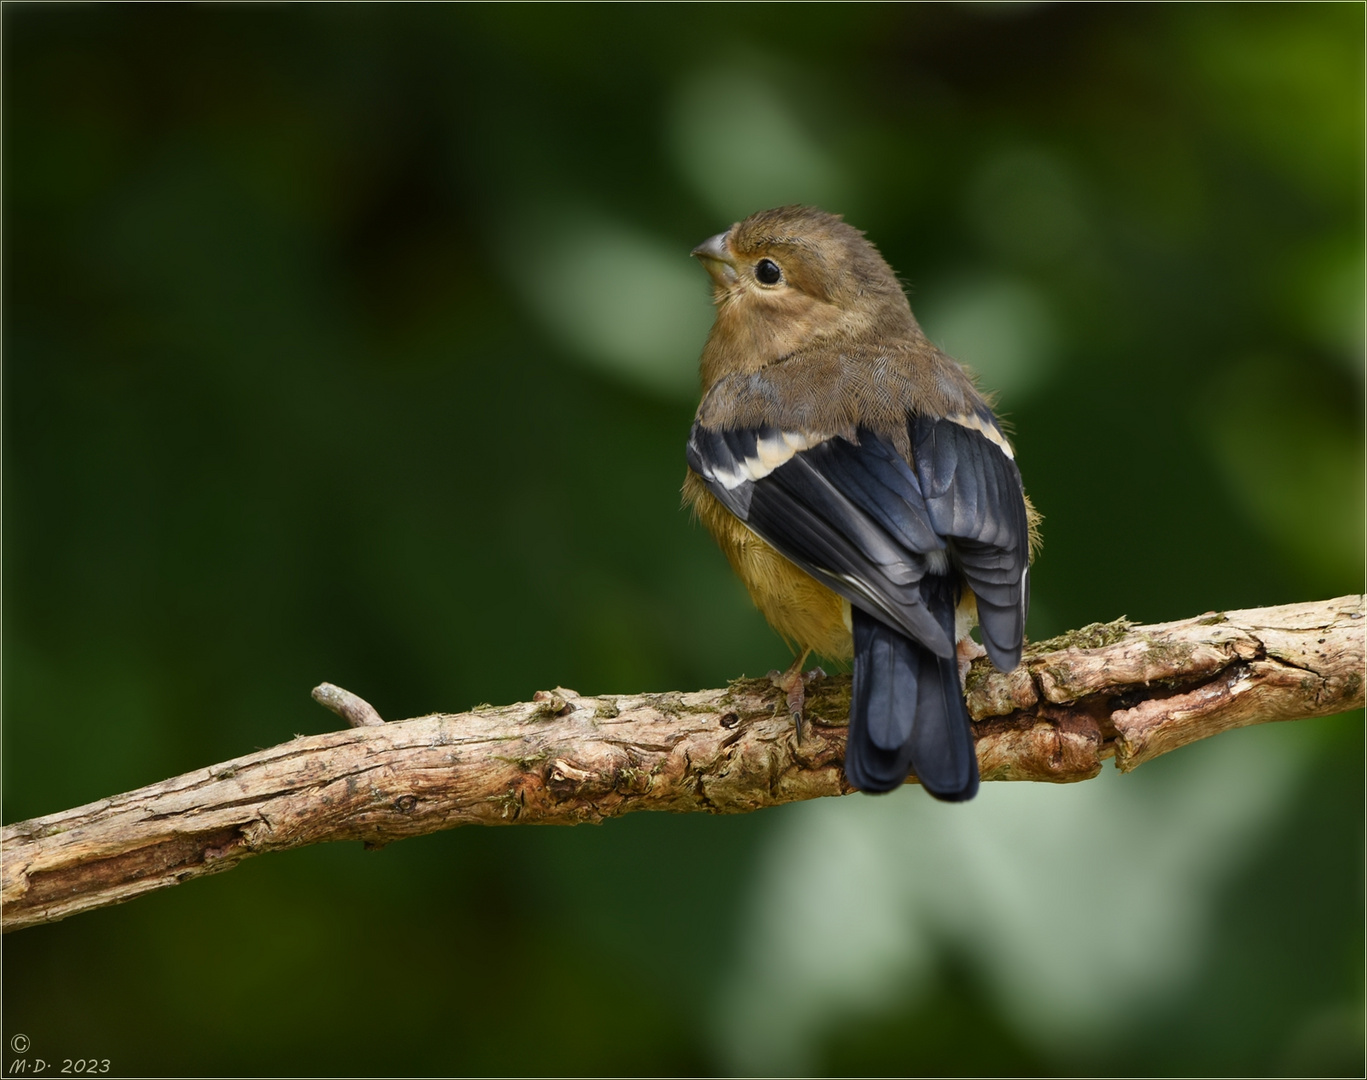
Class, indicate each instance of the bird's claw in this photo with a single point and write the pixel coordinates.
(793, 683)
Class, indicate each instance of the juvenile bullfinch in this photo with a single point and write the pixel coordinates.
(860, 486)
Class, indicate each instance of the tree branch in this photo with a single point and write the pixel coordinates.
(1113, 690)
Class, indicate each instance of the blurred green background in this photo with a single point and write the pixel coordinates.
(359, 343)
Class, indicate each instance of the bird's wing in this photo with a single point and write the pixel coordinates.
(974, 498)
(869, 525)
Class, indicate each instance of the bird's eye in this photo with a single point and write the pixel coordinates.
(767, 272)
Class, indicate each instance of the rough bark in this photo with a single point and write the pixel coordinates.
(1112, 690)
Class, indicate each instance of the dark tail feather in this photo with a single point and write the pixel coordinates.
(942, 737)
(906, 712)
(886, 670)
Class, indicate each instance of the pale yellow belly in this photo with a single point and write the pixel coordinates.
(805, 612)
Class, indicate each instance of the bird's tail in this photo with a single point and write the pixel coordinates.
(907, 713)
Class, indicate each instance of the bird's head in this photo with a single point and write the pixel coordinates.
(792, 278)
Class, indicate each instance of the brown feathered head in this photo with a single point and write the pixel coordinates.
(790, 278)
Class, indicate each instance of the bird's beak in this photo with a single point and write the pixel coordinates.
(717, 259)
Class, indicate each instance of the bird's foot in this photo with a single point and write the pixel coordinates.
(793, 683)
(967, 650)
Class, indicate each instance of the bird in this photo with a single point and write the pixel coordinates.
(862, 488)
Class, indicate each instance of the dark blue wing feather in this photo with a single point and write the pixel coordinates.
(845, 512)
(974, 498)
